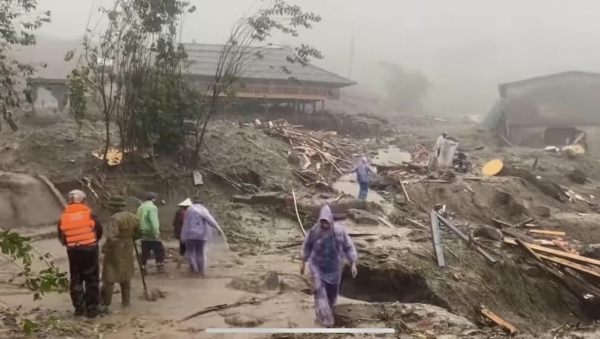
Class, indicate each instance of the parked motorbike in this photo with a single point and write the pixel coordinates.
(461, 163)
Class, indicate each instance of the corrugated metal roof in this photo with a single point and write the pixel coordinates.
(502, 87)
(267, 63)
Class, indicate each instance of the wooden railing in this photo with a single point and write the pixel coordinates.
(284, 92)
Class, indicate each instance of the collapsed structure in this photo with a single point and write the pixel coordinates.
(554, 110)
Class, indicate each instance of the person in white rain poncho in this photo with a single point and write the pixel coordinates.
(197, 233)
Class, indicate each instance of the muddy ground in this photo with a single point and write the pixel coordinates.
(397, 265)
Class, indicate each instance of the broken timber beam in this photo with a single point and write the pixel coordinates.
(297, 214)
(437, 241)
(499, 321)
(385, 222)
(526, 247)
(570, 264)
(557, 253)
(501, 223)
(465, 238)
(546, 232)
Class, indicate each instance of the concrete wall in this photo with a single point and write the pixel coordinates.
(26, 201)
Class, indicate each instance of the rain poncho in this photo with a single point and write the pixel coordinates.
(325, 251)
(197, 224)
(363, 171)
(198, 229)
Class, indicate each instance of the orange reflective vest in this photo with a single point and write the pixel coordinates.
(78, 226)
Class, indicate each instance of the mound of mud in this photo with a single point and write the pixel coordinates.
(60, 151)
(249, 155)
(410, 319)
(27, 201)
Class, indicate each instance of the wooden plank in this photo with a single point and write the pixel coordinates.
(416, 223)
(501, 223)
(297, 214)
(543, 242)
(437, 242)
(570, 264)
(564, 254)
(547, 232)
(523, 223)
(526, 247)
(385, 222)
(499, 321)
(563, 246)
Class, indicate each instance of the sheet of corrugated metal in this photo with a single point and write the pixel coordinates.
(493, 117)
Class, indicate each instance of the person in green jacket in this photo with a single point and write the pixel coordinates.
(150, 228)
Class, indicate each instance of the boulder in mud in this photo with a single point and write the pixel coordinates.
(381, 182)
(363, 217)
(293, 159)
(400, 199)
(271, 281)
(488, 232)
(244, 321)
(577, 176)
(540, 211)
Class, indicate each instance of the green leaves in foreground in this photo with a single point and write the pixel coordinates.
(19, 251)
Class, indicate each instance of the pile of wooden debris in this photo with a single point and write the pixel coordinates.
(322, 152)
(554, 254)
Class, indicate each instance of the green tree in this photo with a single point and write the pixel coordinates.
(133, 70)
(138, 73)
(247, 44)
(18, 21)
(404, 89)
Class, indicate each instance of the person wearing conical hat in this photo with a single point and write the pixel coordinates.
(122, 231)
(178, 223)
(198, 225)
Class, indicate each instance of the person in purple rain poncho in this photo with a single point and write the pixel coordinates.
(198, 224)
(325, 247)
(363, 173)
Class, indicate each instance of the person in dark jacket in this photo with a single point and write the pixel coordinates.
(80, 231)
(178, 223)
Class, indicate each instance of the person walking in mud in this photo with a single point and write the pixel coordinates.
(80, 231)
(121, 233)
(363, 172)
(325, 247)
(150, 229)
(178, 224)
(437, 148)
(196, 232)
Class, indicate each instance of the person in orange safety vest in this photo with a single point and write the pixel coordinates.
(80, 231)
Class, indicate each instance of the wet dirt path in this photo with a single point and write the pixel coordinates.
(284, 306)
(231, 278)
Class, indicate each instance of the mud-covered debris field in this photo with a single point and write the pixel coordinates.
(444, 252)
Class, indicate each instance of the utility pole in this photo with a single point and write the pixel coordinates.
(351, 57)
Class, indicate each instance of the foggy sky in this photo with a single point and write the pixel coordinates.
(465, 47)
